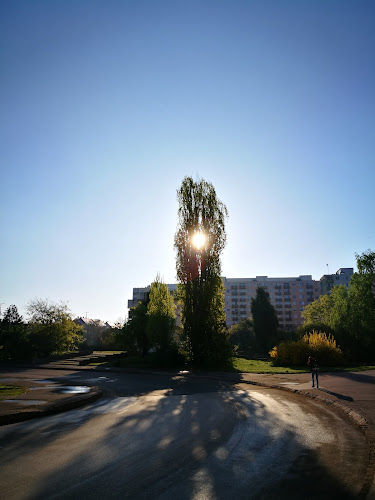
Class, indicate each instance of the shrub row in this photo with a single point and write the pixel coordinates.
(316, 344)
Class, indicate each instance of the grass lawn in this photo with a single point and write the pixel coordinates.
(243, 365)
(94, 353)
(7, 391)
(240, 365)
(253, 366)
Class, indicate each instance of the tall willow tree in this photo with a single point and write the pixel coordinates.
(199, 241)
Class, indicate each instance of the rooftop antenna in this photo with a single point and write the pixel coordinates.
(327, 269)
(86, 316)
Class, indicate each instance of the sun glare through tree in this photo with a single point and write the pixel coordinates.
(199, 240)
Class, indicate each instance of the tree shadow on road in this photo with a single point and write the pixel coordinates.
(182, 439)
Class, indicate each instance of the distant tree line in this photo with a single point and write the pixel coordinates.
(49, 330)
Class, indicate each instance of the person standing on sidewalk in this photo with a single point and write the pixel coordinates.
(313, 364)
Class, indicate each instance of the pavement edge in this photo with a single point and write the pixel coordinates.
(53, 408)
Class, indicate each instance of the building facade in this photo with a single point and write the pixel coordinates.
(141, 294)
(341, 277)
(289, 296)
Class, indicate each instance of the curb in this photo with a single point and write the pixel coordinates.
(53, 408)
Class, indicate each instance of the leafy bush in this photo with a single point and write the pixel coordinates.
(242, 338)
(317, 344)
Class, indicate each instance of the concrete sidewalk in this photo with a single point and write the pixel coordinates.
(42, 399)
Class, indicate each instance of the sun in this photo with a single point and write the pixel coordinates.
(198, 240)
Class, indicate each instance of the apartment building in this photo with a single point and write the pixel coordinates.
(141, 294)
(289, 296)
(341, 277)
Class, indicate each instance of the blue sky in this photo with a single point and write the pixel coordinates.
(107, 105)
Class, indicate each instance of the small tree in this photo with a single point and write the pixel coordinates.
(11, 316)
(14, 338)
(361, 307)
(109, 337)
(349, 312)
(264, 319)
(133, 336)
(52, 329)
(319, 311)
(242, 335)
(199, 242)
(161, 316)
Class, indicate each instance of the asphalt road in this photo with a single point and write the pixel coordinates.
(176, 438)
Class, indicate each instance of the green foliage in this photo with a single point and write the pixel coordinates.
(319, 311)
(349, 312)
(366, 263)
(309, 327)
(161, 302)
(258, 366)
(199, 272)
(133, 336)
(317, 344)
(14, 337)
(52, 329)
(284, 335)
(161, 316)
(8, 391)
(108, 338)
(242, 335)
(361, 308)
(12, 316)
(151, 326)
(264, 319)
